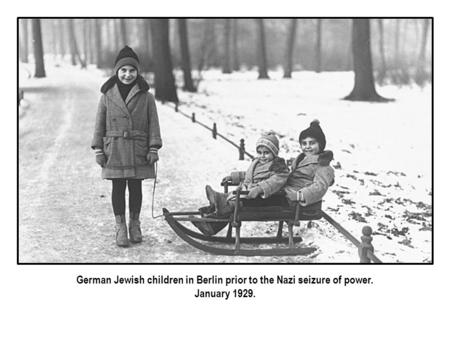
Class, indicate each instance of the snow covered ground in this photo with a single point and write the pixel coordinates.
(382, 155)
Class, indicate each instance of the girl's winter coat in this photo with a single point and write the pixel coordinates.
(126, 131)
(312, 175)
(270, 176)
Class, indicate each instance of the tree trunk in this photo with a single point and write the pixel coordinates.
(185, 55)
(74, 50)
(261, 51)
(420, 76)
(207, 44)
(123, 31)
(290, 43)
(319, 46)
(62, 39)
(99, 44)
(54, 30)
(382, 72)
(145, 38)
(165, 89)
(235, 46)
(25, 42)
(364, 87)
(38, 49)
(86, 35)
(226, 64)
(397, 45)
(109, 41)
(117, 35)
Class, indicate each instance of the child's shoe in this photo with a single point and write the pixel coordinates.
(121, 231)
(219, 200)
(134, 228)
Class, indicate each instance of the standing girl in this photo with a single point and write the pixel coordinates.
(126, 141)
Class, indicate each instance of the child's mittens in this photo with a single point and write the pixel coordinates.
(255, 192)
(152, 156)
(100, 157)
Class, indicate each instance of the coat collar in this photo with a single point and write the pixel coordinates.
(323, 159)
(115, 97)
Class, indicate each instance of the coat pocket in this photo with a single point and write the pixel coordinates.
(141, 151)
(107, 146)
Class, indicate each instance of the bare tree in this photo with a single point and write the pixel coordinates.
(421, 75)
(382, 71)
(397, 44)
(62, 38)
(261, 51)
(99, 44)
(86, 35)
(318, 48)
(146, 45)
(235, 45)
(364, 86)
(185, 55)
(38, 49)
(123, 32)
(165, 89)
(54, 29)
(25, 42)
(226, 64)
(207, 45)
(74, 50)
(290, 44)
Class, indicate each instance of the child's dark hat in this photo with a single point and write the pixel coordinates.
(126, 56)
(316, 133)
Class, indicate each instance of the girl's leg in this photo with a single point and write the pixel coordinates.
(134, 204)
(118, 202)
(118, 196)
(135, 195)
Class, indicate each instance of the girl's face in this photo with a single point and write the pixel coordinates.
(310, 146)
(127, 74)
(264, 154)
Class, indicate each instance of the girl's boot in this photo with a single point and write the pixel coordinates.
(135, 228)
(121, 231)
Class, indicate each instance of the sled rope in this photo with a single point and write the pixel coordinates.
(153, 194)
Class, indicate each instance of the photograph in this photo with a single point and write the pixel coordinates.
(225, 140)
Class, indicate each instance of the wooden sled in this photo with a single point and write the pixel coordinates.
(283, 214)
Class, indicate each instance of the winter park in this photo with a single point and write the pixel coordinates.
(221, 86)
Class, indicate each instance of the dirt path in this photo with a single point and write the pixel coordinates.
(65, 209)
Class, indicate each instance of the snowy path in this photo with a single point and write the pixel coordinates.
(65, 210)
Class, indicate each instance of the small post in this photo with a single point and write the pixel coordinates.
(241, 149)
(176, 107)
(214, 131)
(280, 229)
(20, 97)
(193, 117)
(366, 244)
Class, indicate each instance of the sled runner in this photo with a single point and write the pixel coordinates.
(283, 214)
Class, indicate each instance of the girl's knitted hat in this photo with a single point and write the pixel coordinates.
(126, 56)
(316, 133)
(270, 141)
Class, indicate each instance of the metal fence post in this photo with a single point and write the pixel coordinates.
(241, 150)
(20, 97)
(214, 131)
(366, 244)
(193, 117)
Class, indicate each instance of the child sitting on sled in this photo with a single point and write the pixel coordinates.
(266, 175)
(311, 174)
